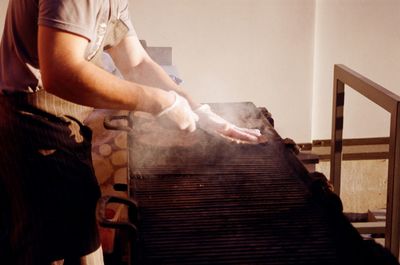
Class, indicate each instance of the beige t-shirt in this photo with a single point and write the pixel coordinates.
(91, 19)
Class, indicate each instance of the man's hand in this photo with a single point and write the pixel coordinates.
(209, 121)
(178, 115)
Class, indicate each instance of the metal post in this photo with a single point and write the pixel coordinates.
(393, 191)
(390, 102)
(337, 134)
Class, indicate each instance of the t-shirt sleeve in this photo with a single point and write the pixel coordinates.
(74, 16)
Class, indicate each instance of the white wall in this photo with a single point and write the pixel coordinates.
(264, 51)
(365, 36)
(239, 50)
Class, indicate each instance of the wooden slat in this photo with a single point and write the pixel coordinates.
(353, 141)
(370, 227)
(358, 156)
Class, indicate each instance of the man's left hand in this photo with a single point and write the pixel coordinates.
(210, 121)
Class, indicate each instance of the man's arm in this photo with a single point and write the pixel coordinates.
(136, 65)
(67, 74)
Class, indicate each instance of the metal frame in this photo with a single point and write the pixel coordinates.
(390, 102)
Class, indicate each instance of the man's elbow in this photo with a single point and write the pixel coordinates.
(51, 82)
(58, 79)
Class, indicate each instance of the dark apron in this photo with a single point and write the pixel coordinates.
(48, 190)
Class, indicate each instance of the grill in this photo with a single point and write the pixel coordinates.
(202, 199)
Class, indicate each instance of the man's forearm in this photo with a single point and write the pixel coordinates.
(68, 75)
(100, 89)
(150, 73)
(136, 65)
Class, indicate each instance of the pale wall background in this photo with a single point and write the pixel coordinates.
(279, 54)
(239, 50)
(364, 35)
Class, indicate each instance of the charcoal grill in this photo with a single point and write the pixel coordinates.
(204, 199)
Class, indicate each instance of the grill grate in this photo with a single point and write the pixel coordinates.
(244, 210)
(224, 203)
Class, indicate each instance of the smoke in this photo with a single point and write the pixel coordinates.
(157, 145)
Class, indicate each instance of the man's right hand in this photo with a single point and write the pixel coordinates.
(178, 115)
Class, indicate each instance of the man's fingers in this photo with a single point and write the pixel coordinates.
(209, 121)
(192, 127)
(189, 126)
(254, 132)
(239, 135)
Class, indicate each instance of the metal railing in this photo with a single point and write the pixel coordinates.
(391, 103)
